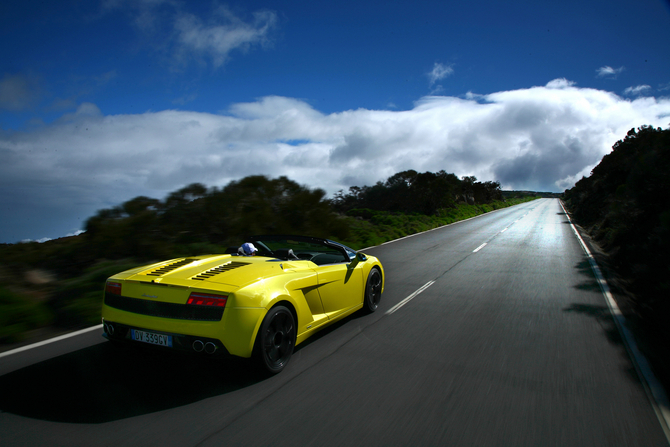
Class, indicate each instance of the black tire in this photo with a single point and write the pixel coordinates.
(275, 340)
(373, 291)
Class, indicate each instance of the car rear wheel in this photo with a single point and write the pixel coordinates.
(373, 291)
(276, 339)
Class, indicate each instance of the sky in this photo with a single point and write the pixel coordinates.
(102, 101)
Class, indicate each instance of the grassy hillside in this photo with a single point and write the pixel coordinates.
(58, 284)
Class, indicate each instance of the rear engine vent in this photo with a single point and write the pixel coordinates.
(170, 267)
(228, 266)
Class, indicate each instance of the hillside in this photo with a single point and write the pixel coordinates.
(625, 206)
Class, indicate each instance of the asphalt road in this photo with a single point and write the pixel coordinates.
(508, 345)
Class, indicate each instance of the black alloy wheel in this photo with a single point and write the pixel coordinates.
(373, 291)
(276, 339)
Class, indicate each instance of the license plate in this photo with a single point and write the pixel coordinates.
(151, 338)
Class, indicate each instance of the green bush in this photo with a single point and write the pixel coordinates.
(77, 301)
(20, 314)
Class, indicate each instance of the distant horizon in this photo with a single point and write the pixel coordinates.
(80, 232)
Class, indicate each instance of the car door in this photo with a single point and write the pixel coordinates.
(340, 287)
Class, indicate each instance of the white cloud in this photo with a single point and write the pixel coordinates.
(540, 138)
(475, 97)
(608, 71)
(439, 72)
(560, 83)
(147, 15)
(208, 38)
(184, 99)
(222, 34)
(637, 90)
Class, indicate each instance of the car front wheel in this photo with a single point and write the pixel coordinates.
(373, 291)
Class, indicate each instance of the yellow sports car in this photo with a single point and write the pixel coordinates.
(259, 301)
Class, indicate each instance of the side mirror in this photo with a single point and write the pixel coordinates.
(361, 257)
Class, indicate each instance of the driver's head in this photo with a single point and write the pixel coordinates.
(248, 249)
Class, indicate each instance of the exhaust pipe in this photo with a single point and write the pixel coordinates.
(198, 346)
(210, 348)
(109, 328)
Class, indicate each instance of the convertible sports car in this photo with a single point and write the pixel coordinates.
(260, 306)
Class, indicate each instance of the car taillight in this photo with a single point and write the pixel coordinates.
(206, 299)
(113, 287)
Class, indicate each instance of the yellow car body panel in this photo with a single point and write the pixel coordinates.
(152, 298)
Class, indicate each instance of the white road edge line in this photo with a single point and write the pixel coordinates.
(479, 248)
(51, 340)
(653, 388)
(446, 225)
(438, 228)
(409, 298)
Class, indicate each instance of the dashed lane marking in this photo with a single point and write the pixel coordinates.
(409, 298)
(480, 247)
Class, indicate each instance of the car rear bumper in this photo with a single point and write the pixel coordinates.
(122, 333)
(234, 334)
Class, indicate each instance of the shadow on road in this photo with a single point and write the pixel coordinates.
(601, 314)
(104, 383)
(604, 318)
(589, 284)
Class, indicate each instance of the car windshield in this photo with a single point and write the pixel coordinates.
(319, 251)
(351, 253)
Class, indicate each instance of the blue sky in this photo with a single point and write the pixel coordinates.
(103, 101)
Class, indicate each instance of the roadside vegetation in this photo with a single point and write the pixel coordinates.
(57, 285)
(624, 205)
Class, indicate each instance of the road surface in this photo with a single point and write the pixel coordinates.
(491, 332)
